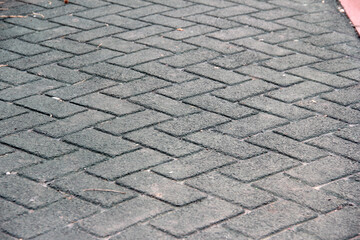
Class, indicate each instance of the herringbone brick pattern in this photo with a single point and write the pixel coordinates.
(178, 119)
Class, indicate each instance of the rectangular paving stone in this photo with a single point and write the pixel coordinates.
(195, 164)
(189, 58)
(239, 59)
(217, 232)
(15, 160)
(172, 3)
(142, 232)
(257, 23)
(232, 11)
(290, 61)
(22, 47)
(37, 37)
(338, 65)
(16, 77)
(326, 39)
(351, 134)
(299, 91)
(70, 46)
(58, 214)
(344, 96)
(101, 142)
(164, 104)
(9, 210)
(277, 108)
(50, 106)
(214, 44)
(282, 35)
(337, 145)
(5, 149)
(76, 22)
(161, 188)
(182, 221)
(32, 23)
(131, 3)
(331, 109)
(13, 32)
(132, 122)
(276, 13)
(265, 220)
(235, 33)
(302, 26)
(212, 21)
(166, 44)
(145, 11)
(62, 9)
(187, 11)
(107, 104)
(123, 215)
(230, 190)
(293, 234)
(80, 184)
(166, 21)
(84, 36)
(128, 163)
(7, 56)
(347, 189)
(8, 110)
(301, 193)
(251, 125)
(72, 232)
(144, 32)
(262, 47)
(310, 127)
(50, 170)
(83, 88)
(225, 144)
(27, 193)
(117, 44)
(258, 167)
(216, 73)
(189, 31)
(288, 146)
(123, 22)
(244, 90)
(163, 142)
(101, 11)
(220, 106)
(136, 87)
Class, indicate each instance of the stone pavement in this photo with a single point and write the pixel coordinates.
(172, 119)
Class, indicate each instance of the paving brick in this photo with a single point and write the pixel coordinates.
(70, 46)
(217, 233)
(83, 88)
(310, 127)
(270, 218)
(163, 142)
(84, 36)
(38, 60)
(143, 32)
(166, 21)
(340, 224)
(101, 11)
(331, 109)
(90, 58)
(345, 49)
(92, 4)
(27, 193)
(128, 163)
(61, 10)
(117, 44)
(49, 34)
(8, 56)
(244, 90)
(164, 104)
(295, 235)
(50, 170)
(225, 144)
(142, 56)
(230, 190)
(251, 125)
(101, 142)
(262, 47)
(8, 110)
(337, 145)
(290, 61)
(256, 4)
(182, 221)
(195, 164)
(212, 21)
(167, 44)
(165, 72)
(235, 33)
(351, 133)
(188, 32)
(107, 104)
(214, 3)
(345, 188)
(123, 215)
(259, 167)
(131, 3)
(172, 3)
(13, 32)
(276, 13)
(188, 11)
(5, 149)
(142, 232)
(239, 59)
(16, 77)
(216, 73)
(288, 146)
(352, 74)
(281, 36)
(161, 188)
(189, 58)
(257, 23)
(22, 47)
(338, 64)
(9, 210)
(66, 233)
(145, 11)
(302, 26)
(22, 122)
(76, 22)
(12, 161)
(328, 39)
(123, 22)
(214, 44)
(232, 11)
(32, 23)
(321, 77)
(344, 96)
(58, 214)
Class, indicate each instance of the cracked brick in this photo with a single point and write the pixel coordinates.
(338, 65)
(262, 47)
(281, 36)
(239, 59)
(328, 39)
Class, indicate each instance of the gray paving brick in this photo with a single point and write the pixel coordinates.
(214, 3)
(338, 64)
(302, 26)
(295, 235)
(273, 217)
(165, 72)
(101, 142)
(235, 33)
(161, 188)
(217, 233)
(5, 149)
(92, 4)
(230, 190)
(344, 96)
(16, 77)
(76, 22)
(256, 4)
(123, 22)
(351, 133)
(123, 215)
(276, 13)
(226, 144)
(62, 9)
(220, 106)
(128, 163)
(49, 34)
(188, 32)
(13, 161)
(262, 47)
(9, 210)
(101, 11)
(145, 11)
(27, 193)
(8, 110)
(244, 90)
(117, 44)
(352, 74)
(163, 142)
(231, 11)
(107, 104)
(340, 224)
(172, 3)
(167, 44)
(328, 39)
(212, 21)
(257, 23)
(143, 32)
(142, 56)
(310, 127)
(60, 73)
(66, 233)
(32, 23)
(214, 44)
(84, 36)
(164, 104)
(337, 145)
(50, 170)
(193, 165)
(70, 46)
(166, 21)
(15, 31)
(288, 146)
(331, 109)
(22, 47)
(131, 3)
(188, 11)
(58, 214)
(142, 232)
(290, 61)
(259, 167)
(251, 125)
(282, 35)
(321, 77)
(183, 221)
(345, 188)
(239, 59)
(83, 88)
